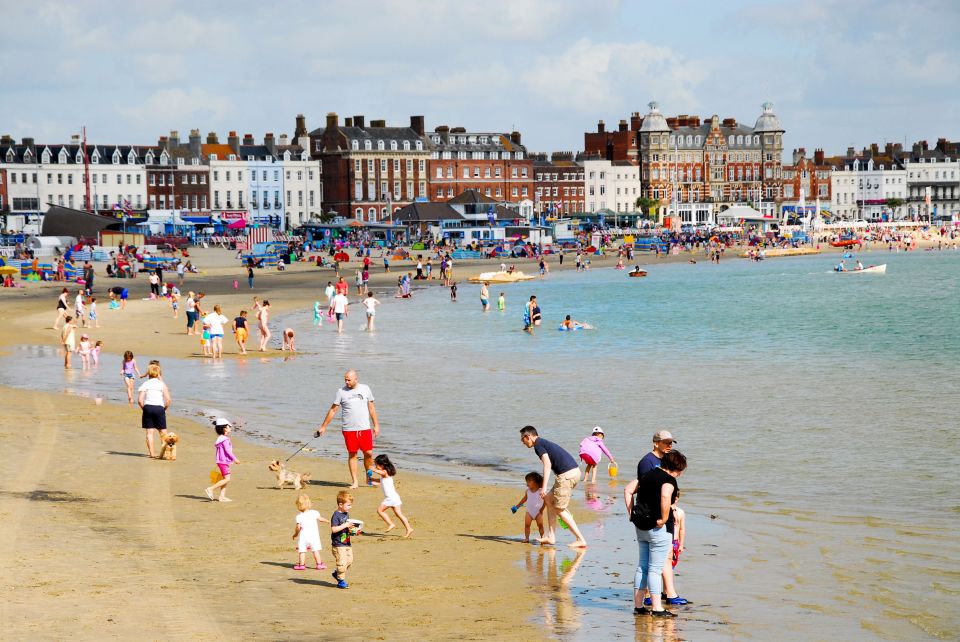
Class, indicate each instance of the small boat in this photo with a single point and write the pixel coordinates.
(870, 269)
(636, 273)
(501, 277)
(845, 243)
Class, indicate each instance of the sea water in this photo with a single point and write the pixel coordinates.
(817, 410)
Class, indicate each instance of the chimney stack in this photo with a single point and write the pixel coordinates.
(195, 143)
(332, 120)
(622, 126)
(851, 152)
(234, 142)
(284, 140)
(444, 132)
(248, 140)
(515, 137)
(163, 143)
(28, 142)
(348, 122)
(416, 124)
(270, 143)
(378, 123)
(174, 139)
(211, 139)
(635, 121)
(75, 139)
(6, 139)
(359, 121)
(301, 129)
(601, 128)
(818, 157)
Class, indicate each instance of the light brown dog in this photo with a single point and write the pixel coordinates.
(169, 450)
(285, 476)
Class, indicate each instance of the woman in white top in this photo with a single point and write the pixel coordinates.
(154, 399)
(370, 305)
(213, 324)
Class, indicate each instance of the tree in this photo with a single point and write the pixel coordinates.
(894, 204)
(647, 206)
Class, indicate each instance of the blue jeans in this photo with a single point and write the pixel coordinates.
(654, 545)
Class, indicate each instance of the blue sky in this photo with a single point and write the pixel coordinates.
(839, 73)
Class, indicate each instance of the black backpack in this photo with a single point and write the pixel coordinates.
(641, 516)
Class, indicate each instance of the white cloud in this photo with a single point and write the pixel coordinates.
(166, 107)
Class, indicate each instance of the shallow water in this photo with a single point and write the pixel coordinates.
(818, 412)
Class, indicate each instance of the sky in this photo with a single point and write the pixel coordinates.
(839, 72)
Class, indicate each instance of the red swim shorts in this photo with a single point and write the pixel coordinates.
(587, 459)
(224, 469)
(358, 440)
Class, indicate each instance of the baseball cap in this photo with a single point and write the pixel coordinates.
(221, 421)
(598, 429)
(663, 435)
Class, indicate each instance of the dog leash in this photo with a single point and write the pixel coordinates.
(299, 449)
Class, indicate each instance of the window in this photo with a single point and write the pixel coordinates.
(393, 145)
(439, 172)
(450, 172)
(496, 172)
(383, 165)
(354, 145)
(370, 166)
(466, 172)
(419, 145)
(525, 190)
(476, 172)
(380, 145)
(514, 192)
(367, 145)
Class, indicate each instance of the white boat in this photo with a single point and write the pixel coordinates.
(873, 269)
(501, 277)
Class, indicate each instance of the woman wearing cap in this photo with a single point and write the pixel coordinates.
(154, 399)
(592, 450)
(649, 502)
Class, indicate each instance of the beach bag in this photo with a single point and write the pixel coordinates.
(641, 516)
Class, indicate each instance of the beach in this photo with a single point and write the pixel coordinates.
(775, 543)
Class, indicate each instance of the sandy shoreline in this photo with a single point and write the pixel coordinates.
(99, 541)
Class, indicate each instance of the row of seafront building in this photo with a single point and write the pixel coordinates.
(683, 167)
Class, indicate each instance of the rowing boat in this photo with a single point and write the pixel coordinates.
(873, 269)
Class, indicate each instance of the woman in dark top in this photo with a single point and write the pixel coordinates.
(648, 503)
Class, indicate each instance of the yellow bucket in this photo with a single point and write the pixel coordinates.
(215, 476)
(612, 470)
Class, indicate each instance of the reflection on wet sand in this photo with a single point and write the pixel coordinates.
(551, 576)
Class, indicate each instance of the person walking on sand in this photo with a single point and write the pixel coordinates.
(250, 276)
(213, 324)
(61, 308)
(263, 320)
(240, 331)
(224, 458)
(360, 424)
(68, 340)
(558, 461)
(485, 296)
(153, 398)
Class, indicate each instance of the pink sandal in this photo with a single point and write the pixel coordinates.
(299, 567)
(321, 566)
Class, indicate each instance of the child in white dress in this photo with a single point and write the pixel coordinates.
(307, 533)
(534, 504)
(391, 499)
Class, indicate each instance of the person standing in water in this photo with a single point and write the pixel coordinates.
(370, 306)
(485, 296)
(68, 340)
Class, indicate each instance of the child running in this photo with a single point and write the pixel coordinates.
(129, 371)
(340, 538)
(224, 459)
(592, 450)
(391, 499)
(534, 504)
(307, 533)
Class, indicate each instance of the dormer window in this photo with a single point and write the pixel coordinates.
(46, 157)
(406, 145)
(232, 157)
(436, 140)
(195, 161)
(95, 159)
(116, 158)
(148, 159)
(519, 155)
(213, 157)
(79, 157)
(286, 155)
(380, 145)
(367, 145)
(62, 157)
(251, 157)
(27, 157)
(393, 145)
(164, 158)
(303, 156)
(419, 145)
(354, 145)
(10, 156)
(131, 158)
(180, 161)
